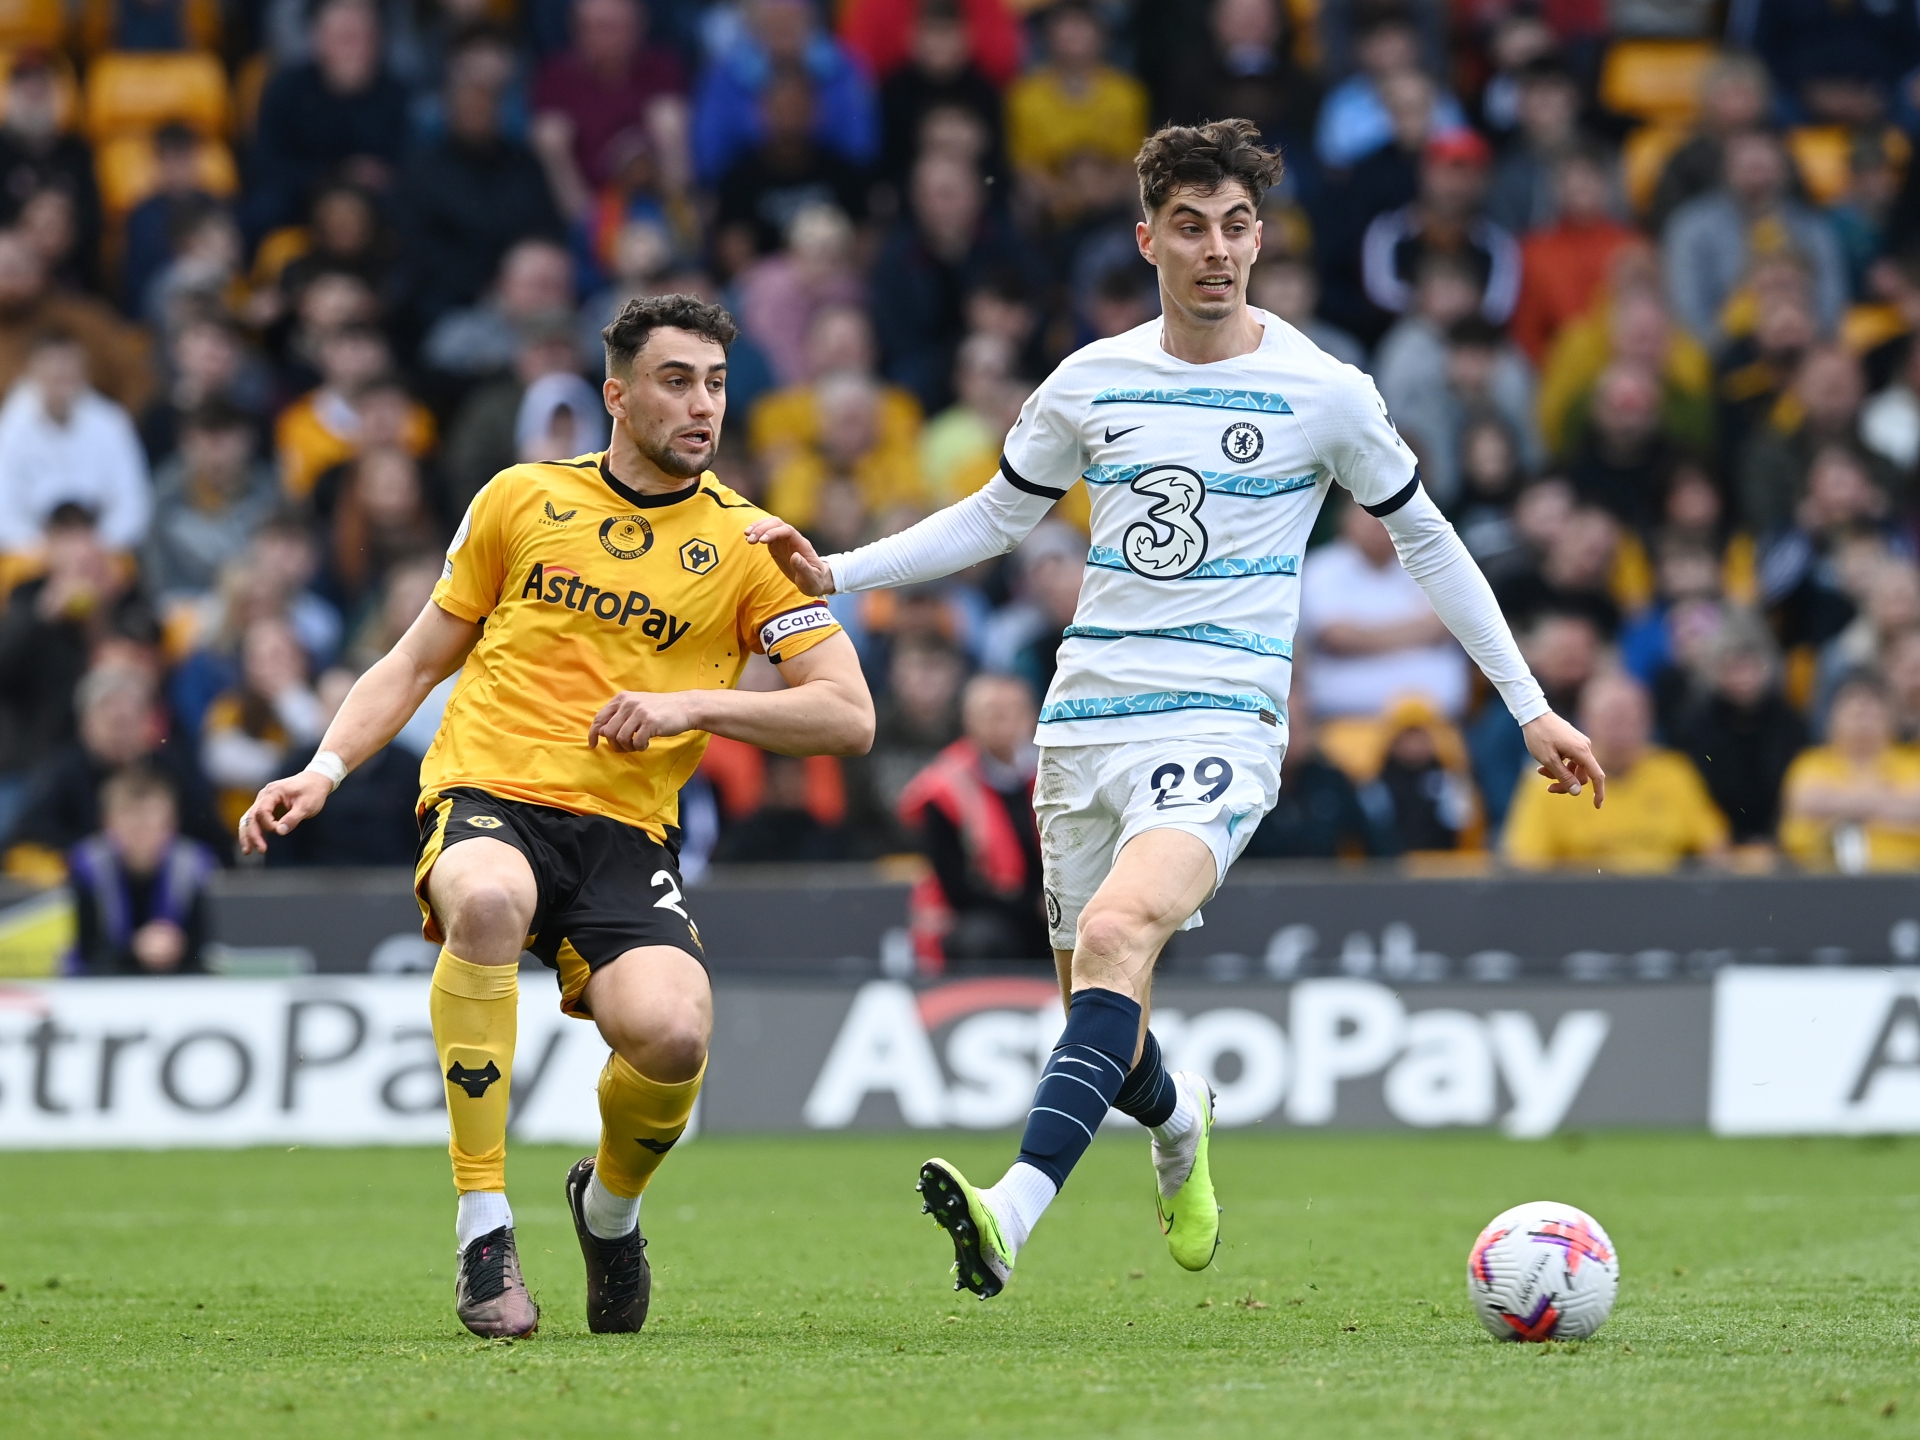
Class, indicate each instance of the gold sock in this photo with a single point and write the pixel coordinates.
(639, 1121)
(476, 1015)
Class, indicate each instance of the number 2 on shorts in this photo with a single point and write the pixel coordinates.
(670, 900)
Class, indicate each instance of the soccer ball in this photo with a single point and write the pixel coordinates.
(1543, 1271)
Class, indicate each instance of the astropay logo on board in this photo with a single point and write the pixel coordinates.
(1808, 1051)
(969, 1053)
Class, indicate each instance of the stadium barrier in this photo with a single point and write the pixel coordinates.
(327, 1060)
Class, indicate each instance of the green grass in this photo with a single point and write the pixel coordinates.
(1768, 1289)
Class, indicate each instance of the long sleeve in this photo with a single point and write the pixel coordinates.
(989, 522)
(1433, 554)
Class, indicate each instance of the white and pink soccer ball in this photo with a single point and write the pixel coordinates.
(1543, 1271)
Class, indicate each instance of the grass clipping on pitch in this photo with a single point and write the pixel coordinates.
(1767, 1288)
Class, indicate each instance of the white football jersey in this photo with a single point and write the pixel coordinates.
(1205, 482)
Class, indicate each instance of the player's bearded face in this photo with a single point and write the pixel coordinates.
(675, 402)
(676, 447)
(1205, 245)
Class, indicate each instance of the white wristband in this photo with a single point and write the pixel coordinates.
(330, 765)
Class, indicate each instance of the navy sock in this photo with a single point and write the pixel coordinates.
(1086, 1070)
(1148, 1094)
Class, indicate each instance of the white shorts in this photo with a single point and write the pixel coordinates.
(1092, 799)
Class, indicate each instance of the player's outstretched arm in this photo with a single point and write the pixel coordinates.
(825, 710)
(989, 522)
(380, 703)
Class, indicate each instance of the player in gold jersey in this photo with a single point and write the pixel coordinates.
(599, 611)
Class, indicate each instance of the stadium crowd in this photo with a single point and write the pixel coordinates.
(283, 284)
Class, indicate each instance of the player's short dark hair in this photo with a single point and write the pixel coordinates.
(1205, 157)
(629, 331)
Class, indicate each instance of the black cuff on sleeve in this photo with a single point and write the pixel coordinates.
(1019, 482)
(1396, 500)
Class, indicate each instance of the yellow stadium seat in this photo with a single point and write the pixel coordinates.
(125, 168)
(1644, 156)
(1820, 152)
(65, 83)
(1655, 79)
(201, 21)
(129, 93)
(40, 23)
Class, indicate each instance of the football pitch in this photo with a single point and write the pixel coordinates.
(1767, 1288)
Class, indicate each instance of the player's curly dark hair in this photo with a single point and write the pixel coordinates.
(1205, 157)
(627, 335)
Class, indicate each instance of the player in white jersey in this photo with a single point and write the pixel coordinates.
(1209, 438)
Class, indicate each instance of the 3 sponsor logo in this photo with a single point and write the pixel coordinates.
(626, 537)
(558, 585)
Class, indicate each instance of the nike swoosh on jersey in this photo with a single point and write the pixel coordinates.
(1113, 435)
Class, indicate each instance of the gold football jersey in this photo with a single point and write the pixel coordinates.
(588, 588)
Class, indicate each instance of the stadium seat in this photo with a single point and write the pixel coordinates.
(1823, 154)
(1655, 79)
(1642, 159)
(201, 21)
(40, 23)
(128, 94)
(125, 169)
(65, 82)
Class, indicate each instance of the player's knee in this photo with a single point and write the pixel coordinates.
(1105, 937)
(490, 907)
(680, 1049)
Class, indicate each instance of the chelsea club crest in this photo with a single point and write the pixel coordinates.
(1243, 442)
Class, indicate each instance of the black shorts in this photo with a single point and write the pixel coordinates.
(605, 888)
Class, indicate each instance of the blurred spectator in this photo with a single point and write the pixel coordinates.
(590, 98)
(1659, 646)
(1419, 803)
(1754, 370)
(484, 437)
(1890, 596)
(341, 111)
(1432, 390)
(408, 587)
(953, 59)
(1385, 180)
(851, 444)
(1734, 98)
(62, 441)
(203, 274)
(946, 247)
(1444, 218)
(1518, 40)
(1802, 567)
(1318, 815)
(786, 170)
(971, 812)
(117, 354)
(345, 234)
(1354, 119)
(52, 626)
(1023, 637)
(1901, 666)
(1247, 70)
(1490, 478)
(468, 197)
(1742, 734)
(1574, 571)
(1072, 104)
(209, 498)
(264, 725)
(1836, 65)
(785, 828)
(780, 35)
(1287, 286)
(380, 518)
(1827, 392)
(1626, 451)
(151, 224)
(960, 448)
(1890, 421)
(890, 36)
(839, 342)
(916, 716)
(369, 820)
(354, 403)
(139, 886)
(1859, 215)
(1565, 260)
(559, 417)
(535, 280)
(1369, 630)
(1563, 650)
(1710, 242)
(1658, 813)
(782, 295)
(1520, 196)
(1853, 804)
(121, 723)
(38, 152)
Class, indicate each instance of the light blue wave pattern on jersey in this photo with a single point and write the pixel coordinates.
(1105, 557)
(1251, 487)
(1207, 398)
(1221, 635)
(1114, 707)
